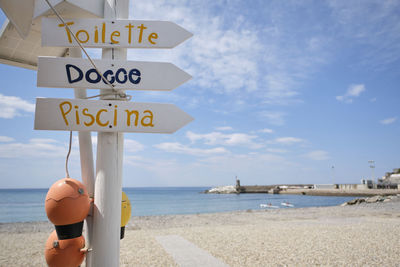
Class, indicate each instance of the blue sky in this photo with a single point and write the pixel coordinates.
(281, 92)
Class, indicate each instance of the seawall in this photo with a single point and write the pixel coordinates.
(341, 192)
(306, 189)
(265, 188)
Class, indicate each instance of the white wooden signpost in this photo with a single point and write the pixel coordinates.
(108, 116)
(113, 33)
(129, 75)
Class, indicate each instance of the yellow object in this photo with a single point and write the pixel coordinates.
(125, 210)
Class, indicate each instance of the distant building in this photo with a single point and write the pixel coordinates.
(325, 186)
(367, 183)
(345, 186)
(237, 187)
(390, 180)
(353, 186)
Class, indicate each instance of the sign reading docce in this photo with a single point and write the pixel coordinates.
(128, 75)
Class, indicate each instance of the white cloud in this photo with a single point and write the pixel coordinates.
(288, 140)
(13, 106)
(182, 149)
(233, 55)
(135, 160)
(6, 139)
(217, 138)
(353, 91)
(276, 150)
(224, 128)
(159, 165)
(279, 88)
(132, 146)
(48, 148)
(317, 155)
(217, 59)
(361, 23)
(266, 130)
(274, 117)
(43, 141)
(217, 55)
(235, 160)
(388, 121)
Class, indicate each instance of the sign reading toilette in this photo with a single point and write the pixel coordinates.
(113, 33)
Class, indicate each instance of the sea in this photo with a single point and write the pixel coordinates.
(26, 205)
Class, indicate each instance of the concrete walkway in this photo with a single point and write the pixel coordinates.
(187, 254)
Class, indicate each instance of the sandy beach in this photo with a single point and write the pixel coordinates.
(359, 235)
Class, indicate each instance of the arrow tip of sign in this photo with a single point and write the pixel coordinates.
(188, 118)
(185, 76)
(185, 119)
(185, 34)
(189, 34)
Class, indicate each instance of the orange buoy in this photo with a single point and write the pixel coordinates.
(67, 202)
(64, 253)
(67, 205)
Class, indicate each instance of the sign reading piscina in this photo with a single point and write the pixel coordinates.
(108, 116)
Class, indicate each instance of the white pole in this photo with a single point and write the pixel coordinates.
(86, 156)
(372, 166)
(108, 185)
(373, 174)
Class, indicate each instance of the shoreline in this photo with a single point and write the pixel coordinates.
(352, 202)
(137, 222)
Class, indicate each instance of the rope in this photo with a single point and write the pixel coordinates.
(69, 152)
(122, 95)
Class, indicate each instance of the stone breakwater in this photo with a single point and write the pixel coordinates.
(229, 189)
(374, 199)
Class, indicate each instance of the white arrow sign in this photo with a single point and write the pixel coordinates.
(108, 116)
(113, 33)
(129, 75)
